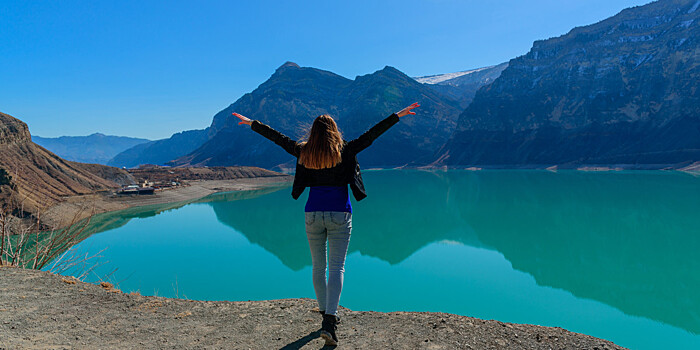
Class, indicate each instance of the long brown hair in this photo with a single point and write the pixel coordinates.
(324, 146)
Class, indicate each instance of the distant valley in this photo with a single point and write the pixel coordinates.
(96, 148)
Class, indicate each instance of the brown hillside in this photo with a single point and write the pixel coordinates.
(43, 177)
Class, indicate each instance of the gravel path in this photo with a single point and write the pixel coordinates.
(39, 310)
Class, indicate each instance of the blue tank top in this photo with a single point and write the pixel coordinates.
(328, 198)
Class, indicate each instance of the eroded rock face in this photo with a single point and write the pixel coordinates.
(40, 177)
(624, 90)
(13, 130)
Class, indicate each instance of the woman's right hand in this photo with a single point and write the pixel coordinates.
(407, 110)
(244, 120)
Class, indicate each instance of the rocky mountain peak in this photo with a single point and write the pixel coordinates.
(387, 75)
(13, 130)
(389, 71)
(288, 64)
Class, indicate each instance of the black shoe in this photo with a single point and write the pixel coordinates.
(336, 317)
(328, 327)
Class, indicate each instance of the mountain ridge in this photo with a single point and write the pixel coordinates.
(620, 91)
(160, 151)
(293, 96)
(94, 148)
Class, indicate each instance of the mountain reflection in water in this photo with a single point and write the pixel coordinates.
(630, 240)
(625, 239)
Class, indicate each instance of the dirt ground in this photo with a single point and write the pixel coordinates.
(39, 310)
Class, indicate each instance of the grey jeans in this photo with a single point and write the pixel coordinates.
(334, 227)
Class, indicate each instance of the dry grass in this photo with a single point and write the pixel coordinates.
(27, 243)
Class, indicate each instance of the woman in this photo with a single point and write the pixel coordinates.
(327, 164)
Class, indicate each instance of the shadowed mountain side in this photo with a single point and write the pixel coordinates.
(293, 96)
(636, 143)
(620, 91)
(415, 138)
(288, 101)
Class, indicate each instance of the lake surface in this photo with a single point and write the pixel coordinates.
(614, 255)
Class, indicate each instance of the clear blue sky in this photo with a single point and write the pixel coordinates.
(152, 68)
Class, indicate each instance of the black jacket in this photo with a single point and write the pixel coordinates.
(346, 172)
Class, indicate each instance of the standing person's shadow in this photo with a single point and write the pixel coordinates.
(299, 343)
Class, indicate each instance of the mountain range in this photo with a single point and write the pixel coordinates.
(96, 148)
(293, 96)
(621, 91)
(160, 151)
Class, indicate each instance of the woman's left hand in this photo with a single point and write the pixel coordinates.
(407, 110)
(244, 120)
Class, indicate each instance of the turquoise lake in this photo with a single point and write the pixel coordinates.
(615, 255)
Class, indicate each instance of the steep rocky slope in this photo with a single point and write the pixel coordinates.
(42, 177)
(621, 91)
(294, 96)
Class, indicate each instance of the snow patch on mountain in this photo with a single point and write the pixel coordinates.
(438, 78)
(695, 7)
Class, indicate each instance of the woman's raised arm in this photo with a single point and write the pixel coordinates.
(289, 145)
(366, 139)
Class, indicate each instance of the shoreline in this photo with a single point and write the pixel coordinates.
(688, 167)
(43, 310)
(80, 207)
(60, 214)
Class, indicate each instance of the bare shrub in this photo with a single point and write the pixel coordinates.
(27, 243)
